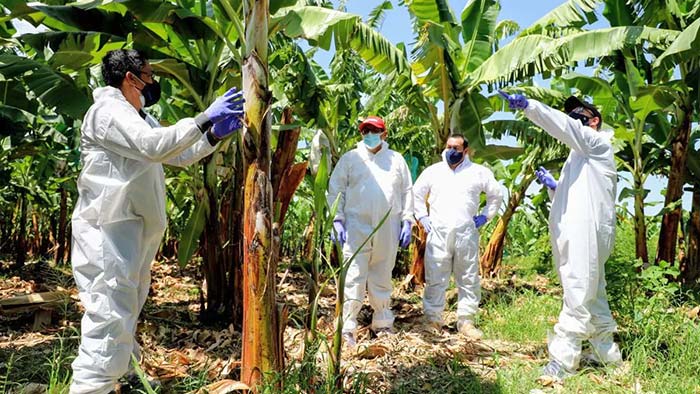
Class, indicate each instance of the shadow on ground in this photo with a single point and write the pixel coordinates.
(440, 376)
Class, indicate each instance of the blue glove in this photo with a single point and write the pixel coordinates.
(545, 178)
(231, 103)
(480, 220)
(405, 236)
(340, 231)
(226, 127)
(425, 222)
(515, 101)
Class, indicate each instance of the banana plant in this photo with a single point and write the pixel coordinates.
(198, 46)
(683, 17)
(446, 53)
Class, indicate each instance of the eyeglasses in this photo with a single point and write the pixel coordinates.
(371, 129)
(581, 114)
(146, 75)
(583, 111)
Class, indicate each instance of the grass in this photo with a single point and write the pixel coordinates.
(523, 318)
(661, 346)
(59, 367)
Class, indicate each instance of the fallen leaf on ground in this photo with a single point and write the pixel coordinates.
(546, 381)
(223, 387)
(596, 378)
(373, 351)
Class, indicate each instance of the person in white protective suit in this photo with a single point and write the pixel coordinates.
(369, 181)
(452, 189)
(119, 217)
(582, 227)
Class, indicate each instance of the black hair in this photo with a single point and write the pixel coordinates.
(115, 65)
(465, 143)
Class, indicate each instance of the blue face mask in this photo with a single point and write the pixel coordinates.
(372, 140)
(453, 156)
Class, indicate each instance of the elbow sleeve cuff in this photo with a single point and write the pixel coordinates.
(203, 122)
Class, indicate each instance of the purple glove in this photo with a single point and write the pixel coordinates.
(545, 178)
(230, 104)
(339, 229)
(425, 222)
(226, 127)
(515, 101)
(480, 220)
(405, 236)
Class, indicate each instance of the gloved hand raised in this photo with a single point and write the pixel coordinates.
(515, 101)
(340, 231)
(230, 104)
(546, 178)
(425, 222)
(480, 220)
(405, 236)
(226, 127)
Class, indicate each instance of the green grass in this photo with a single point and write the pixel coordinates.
(524, 318)
(667, 356)
(59, 367)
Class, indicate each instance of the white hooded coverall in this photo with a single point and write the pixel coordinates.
(368, 185)
(118, 223)
(582, 227)
(452, 247)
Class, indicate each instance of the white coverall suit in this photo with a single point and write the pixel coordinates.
(118, 224)
(452, 247)
(582, 227)
(368, 185)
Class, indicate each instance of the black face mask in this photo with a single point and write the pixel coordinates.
(151, 93)
(583, 118)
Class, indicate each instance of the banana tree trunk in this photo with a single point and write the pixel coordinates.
(640, 226)
(21, 240)
(417, 272)
(234, 252)
(284, 169)
(668, 235)
(35, 247)
(61, 241)
(490, 261)
(262, 350)
(690, 264)
(214, 270)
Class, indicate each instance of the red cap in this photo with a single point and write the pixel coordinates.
(375, 121)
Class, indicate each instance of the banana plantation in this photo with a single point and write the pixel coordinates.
(247, 285)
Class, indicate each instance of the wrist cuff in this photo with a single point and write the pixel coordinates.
(212, 138)
(203, 122)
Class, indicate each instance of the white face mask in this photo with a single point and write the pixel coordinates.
(142, 99)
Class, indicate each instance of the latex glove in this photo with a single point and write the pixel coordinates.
(340, 231)
(515, 101)
(405, 236)
(425, 222)
(226, 127)
(546, 178)
(480, 220)
(230, 104)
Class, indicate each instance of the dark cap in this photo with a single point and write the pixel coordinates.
(574, 102)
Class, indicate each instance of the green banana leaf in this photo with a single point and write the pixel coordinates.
(55, 89)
